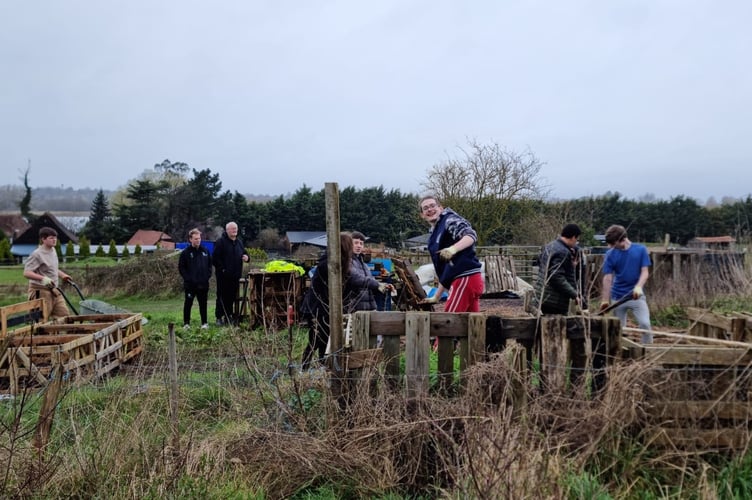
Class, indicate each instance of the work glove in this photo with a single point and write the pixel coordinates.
(431, 300)
(447, 253)
(48, 282)
(604, 305)
(637, 292)
(383, 288)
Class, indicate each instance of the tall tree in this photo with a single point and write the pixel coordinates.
(25, 204)
(483, 181)
(97, 227)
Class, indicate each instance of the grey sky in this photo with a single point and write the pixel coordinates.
(634, 96)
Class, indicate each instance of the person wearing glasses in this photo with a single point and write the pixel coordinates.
(561, 273)
(625, 271)
(452, 248)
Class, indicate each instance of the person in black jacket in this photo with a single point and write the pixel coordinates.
(195, 267)
(228, 258)
(315, 308)
(561, 273)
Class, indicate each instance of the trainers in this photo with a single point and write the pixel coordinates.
(186, 326)
(205, 326)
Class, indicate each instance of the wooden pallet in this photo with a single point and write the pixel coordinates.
(87, 346)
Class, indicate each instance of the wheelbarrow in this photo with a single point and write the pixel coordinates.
(92, 306)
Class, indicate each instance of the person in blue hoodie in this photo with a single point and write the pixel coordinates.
(452, 249)
(195, 267)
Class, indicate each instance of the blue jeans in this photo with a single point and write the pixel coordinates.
(641, 314)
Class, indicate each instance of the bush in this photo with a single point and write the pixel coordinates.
(100, 252)
(84, 247)
(112, 252)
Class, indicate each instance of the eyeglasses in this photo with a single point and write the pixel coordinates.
(426, 208)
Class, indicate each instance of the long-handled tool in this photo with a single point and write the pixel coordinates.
(616, 304)
(67, 300)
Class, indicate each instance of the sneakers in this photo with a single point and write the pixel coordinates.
(186, 326)
(205, 326)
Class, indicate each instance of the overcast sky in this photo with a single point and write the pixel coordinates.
(634, 96)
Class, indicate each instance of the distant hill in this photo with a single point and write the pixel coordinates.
(66, 199)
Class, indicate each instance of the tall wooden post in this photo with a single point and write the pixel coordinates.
(334, 258)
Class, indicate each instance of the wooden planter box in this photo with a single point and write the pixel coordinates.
(85, 347)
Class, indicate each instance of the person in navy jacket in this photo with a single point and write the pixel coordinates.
(452, 248)
(195, 266)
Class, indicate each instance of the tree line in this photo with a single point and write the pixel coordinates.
(501, 192)
(390, 216)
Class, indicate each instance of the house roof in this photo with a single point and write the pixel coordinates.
(31, 235)
(151, 237)
(13, 224)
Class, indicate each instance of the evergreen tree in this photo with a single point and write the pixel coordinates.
(59, 250)
(126, 253)
(99, 218)
(5, 250)
(112, 252)
(70, 253)
(137, 250)
(100, 251)
(84, 247)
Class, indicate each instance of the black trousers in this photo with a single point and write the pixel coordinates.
(201, 296)
(227, 298)
(318, 338)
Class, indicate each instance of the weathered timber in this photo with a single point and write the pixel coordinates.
(417, 330)
(23, 313)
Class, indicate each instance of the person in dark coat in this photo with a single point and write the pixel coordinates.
(195, 266)
(560, 273)
(228, 258)
(315, 308)
(362, 285)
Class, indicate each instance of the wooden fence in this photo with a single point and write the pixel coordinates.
(565, 344)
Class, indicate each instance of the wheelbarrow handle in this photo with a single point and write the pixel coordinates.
(70, 304)
(73, 284)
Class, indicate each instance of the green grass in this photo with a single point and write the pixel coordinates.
(12, 275)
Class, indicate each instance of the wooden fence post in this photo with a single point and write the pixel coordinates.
(417, 330)
(49, 404)
(554, 352)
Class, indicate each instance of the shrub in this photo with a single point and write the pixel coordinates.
(70, 253)
(137, 250)
(84, 247)
(100, 251)
(126, 253)
(112, 252)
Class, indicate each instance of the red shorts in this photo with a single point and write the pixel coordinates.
(464, 294)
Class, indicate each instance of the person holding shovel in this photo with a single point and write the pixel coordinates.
(560, 273)
(195, 266)
(625, 271)
(43, 273)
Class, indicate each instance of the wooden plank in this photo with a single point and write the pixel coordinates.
(445, 366)
(417, 331)
(697, 355)
(69, 328)
(476, 334)
(33, 370)
(554, 352)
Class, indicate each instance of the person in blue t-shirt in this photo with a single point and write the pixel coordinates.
(625, 271)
